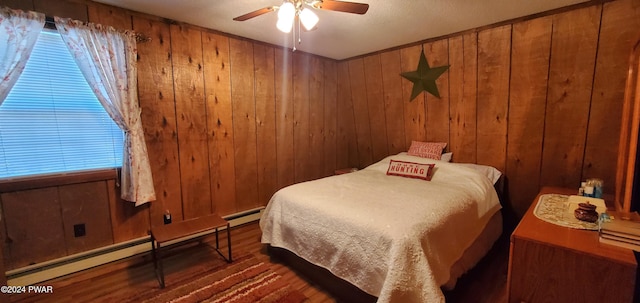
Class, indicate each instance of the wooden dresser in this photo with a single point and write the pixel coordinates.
(551, 263)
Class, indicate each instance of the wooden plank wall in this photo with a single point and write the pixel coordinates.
(393, 110)
(531, 45)
(284, 117)
(228, 121)
(494, 46)
(539, 99)
(572, 61)
(156, 95)
(463, 58)
(45, 231)
(330, 121)
(265, 104)
(217, 77)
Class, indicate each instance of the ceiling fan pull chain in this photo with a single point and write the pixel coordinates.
(299, 39)
(293, 38)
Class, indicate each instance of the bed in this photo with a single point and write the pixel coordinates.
(398, 239)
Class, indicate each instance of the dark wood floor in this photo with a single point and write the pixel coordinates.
(485, 283)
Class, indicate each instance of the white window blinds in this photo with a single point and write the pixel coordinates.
(51, 122)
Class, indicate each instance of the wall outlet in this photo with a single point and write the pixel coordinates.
(167, 217)
(79, 230)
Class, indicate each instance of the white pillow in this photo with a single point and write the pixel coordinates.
(446, 157)
(491, 172)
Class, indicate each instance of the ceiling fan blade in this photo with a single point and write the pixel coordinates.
(343, 6)
(255, 13)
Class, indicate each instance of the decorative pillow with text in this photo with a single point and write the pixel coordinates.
(429, 150)
(410, 170)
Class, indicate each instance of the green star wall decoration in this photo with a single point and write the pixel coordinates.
(424, 78)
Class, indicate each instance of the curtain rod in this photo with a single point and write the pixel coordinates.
(51, 24)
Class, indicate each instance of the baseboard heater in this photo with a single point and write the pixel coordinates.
(48, 270)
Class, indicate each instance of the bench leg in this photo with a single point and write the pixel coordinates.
(160, 267)
(229, 242)
(217, 245)
(157, 262)
(153, 254)
(228, 257)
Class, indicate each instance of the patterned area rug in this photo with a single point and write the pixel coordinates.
(246, 279)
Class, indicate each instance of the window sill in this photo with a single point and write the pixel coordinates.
(41, 181)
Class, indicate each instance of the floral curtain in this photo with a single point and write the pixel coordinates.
(20, 30)
(107, 59)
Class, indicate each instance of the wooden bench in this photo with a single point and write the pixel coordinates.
(162, 235)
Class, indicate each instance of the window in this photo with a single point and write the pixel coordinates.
(51, 121)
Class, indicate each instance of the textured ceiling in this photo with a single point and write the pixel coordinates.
(342, 35)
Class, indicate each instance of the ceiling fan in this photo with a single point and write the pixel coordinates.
(301, 10)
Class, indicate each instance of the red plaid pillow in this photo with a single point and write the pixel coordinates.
(429, 150)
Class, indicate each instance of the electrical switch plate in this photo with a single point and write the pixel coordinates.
(79, 230)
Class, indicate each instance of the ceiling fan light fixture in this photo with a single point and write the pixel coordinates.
(286, 16)
(286, 11)
(285, 25)
(303, 11)
(308, 18)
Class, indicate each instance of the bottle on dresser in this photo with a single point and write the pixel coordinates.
(591, 188)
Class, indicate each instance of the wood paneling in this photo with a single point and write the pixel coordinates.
(33, 182)
(155, 90)
(437, 109)
(414, 114)
(35, 235)
(72, 10)
(330, 112)
(284, 117)
(108, 15)
(494, 47)
(265, 122)
(376, 106)
(361, 112)
(187, 58)
(208, 133)
(127, 220)
(316, 118)
(18, 4)
(346, 144)
(563, 90)
(530, 52)
(301, 76)
(463, 58)
(618, 31)
(217, 78)
(244, 123)
(571, 72)
(393, 101)
(155, 94)
(88, 204)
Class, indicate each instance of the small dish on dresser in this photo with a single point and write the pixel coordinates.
(586, 212)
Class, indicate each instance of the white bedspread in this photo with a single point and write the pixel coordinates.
(393, 237)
